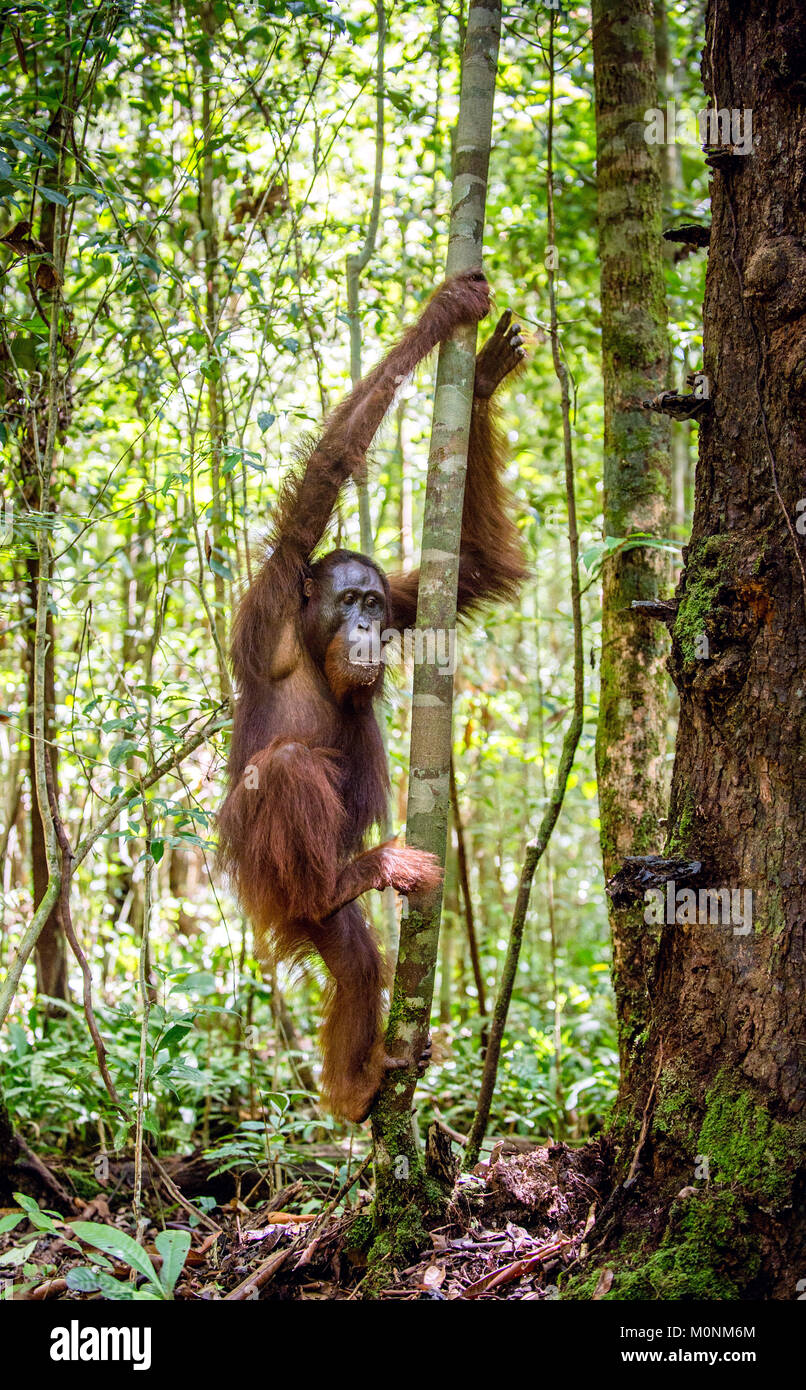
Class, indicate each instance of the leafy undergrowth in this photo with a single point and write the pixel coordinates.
(512, 1228)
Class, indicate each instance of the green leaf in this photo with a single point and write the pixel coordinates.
(118, 1243)
(27, 1203)
(83, 1280)
(121, 751)
(175, 1034)
(84, 190)
(178, 1073)
(265, 419)
(202, 982)
(37, 1217)
(18, 1254)
(51, 195)
(173, 1246)
(36, 141)
(23, 351)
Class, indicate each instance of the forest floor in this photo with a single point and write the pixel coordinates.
(513, 1225)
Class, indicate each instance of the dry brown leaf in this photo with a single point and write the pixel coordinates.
(604, 1284)
(289, 1218)
(433, 1278)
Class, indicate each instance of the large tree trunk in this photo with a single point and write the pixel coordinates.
(634, 692)
(721, 1109)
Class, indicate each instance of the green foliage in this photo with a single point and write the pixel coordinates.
(172, 1246)
(194, 350)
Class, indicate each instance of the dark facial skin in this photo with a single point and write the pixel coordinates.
(355, 599)
(349, 602)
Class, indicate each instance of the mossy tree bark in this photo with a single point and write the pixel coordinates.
(48, 416)
(634, 698)
(715, 1136)
(403, 1192)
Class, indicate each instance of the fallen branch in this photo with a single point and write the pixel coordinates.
(509, 1273)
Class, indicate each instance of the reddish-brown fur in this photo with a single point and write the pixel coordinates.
(307, 772)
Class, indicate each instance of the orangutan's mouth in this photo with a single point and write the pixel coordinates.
(364, 672)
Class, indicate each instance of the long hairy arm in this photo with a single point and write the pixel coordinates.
(308, 500)
(491, 565)
(308, 497)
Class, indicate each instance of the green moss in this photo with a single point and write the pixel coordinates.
(360, 1235)
(581, 1288)
(398, 1245)
(769, 914)
(83, 1182)
(746, 1147)
(407, 1200)
(676, 1109)
(699, 613)
(683, 835)
(711, 1247)
(694, 619)
(708, 1252)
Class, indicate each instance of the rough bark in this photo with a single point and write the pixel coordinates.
(634, 694)
(715, 1137)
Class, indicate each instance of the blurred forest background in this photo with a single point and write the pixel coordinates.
(220, 171)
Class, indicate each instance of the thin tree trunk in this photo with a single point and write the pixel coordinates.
(400, 1179)
(359, 261)
(671, 169)
(37, 466)
(215, 404)
(536, 848)
(447, 933)
(51, 954)
(559, 1093)
(355, 265)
